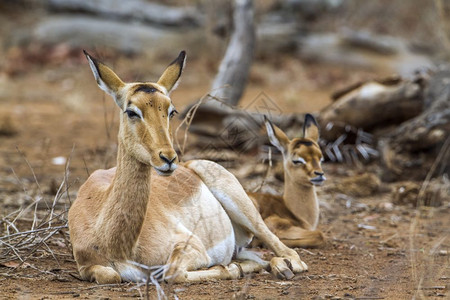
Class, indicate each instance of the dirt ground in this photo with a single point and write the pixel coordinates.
(56, 127)
(375, 249)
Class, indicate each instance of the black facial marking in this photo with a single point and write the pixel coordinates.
(306, 143)
(146, 89)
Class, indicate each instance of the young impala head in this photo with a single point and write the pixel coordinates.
(146, 112)
(301, 156)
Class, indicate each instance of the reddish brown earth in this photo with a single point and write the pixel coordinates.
(375, 249)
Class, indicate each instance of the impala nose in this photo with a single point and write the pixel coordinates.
(166, 159)
(169, 163)
(319, 173)
(319, 179)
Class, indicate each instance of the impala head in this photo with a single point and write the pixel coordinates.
(146, 110)
(301, 156)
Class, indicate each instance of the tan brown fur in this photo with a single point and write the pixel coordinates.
(294, 216)
(149, 210)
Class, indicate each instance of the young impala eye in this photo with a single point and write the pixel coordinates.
(299, 161)
(132, 114)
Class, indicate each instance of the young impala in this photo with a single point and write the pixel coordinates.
(153, 210)
(294, 216)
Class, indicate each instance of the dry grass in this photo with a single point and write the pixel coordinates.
(18, 244)
(422, 262)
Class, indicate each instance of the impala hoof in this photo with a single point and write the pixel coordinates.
(286, 268)
(281, 268)
(107, 275)
(299, 266)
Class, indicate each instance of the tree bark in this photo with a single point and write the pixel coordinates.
(431, 127)
(370, 105)
(231, 79)
(135, 10)
(421, 145)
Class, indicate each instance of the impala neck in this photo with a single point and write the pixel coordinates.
(302, 201)
(124, 212)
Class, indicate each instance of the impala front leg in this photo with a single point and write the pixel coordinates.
(188, 254)
(229, 192)
(287, 261)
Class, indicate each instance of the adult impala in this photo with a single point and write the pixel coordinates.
(294, 216)
(183, 216)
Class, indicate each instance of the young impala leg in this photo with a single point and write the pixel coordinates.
(294, 236)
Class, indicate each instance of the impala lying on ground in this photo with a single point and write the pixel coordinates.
(182, 217)
(294, 216)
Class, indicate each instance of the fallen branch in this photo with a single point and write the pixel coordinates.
(132, 10)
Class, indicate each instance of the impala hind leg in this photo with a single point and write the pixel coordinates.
(242, 212)
(235, 270)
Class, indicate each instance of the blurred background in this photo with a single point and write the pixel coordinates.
(305, 51)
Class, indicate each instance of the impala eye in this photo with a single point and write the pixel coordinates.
(299, 161)
(173, 113)
(132, 114)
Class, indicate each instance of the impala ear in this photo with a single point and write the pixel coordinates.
(169, 79)
(106, 79)
(310, 128)
(276, 136)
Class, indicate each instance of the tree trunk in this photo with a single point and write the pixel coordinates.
(231, 79)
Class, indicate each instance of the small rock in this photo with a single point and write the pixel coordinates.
(59, 161)
(367, 227)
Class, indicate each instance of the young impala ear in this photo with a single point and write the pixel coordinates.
(276, 136)
(106, 79)
(310, 128)
(169, 79)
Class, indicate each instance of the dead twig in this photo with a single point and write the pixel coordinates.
(269, 167)
(415, 222)
(190, 117)
(31, 169)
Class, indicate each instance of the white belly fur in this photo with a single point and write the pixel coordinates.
(222, 252)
